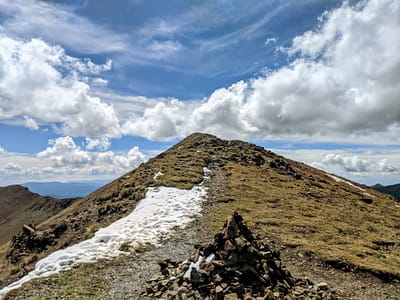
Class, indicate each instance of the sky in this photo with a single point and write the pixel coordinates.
(91, 89)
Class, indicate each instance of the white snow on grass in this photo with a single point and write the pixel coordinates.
(337, 179)
(158, 175)
(153, 220)
(207, 174)
(368, 195)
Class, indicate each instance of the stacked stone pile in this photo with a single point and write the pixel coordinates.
(235, 266)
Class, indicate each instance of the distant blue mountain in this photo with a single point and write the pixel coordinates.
(63, 190)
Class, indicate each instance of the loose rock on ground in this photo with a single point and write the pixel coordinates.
(235, 266)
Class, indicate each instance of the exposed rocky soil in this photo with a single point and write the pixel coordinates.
(126, 277)
(306, 214)
(349, 285)
(122, 278)
(235, 266)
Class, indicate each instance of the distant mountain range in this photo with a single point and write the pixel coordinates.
(393, 189)
(62, 190)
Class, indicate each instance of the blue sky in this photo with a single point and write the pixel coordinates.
(88, 90)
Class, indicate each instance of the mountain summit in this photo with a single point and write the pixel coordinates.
(308, 212)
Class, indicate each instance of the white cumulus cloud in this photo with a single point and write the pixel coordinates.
(61, 25)
(344, 80)
(365, 165)
(97, 143)
(165, 120)
(271, 40)
(355, 163)
(40, 83)
(30, 123)
(63, 160)
(12, 168)
(63, 153)
(99, 82)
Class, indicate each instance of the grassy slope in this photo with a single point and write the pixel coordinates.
(20, 206)
(323, 216)
(108, 204)
(333, 219)
(329, 218)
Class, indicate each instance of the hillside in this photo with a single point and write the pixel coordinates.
(393, 190)
(315, 218)
(20, 206)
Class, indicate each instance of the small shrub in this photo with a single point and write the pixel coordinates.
(140, 248)
(91, 229)
(125, 247)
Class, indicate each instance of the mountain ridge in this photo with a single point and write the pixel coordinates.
(393, 189)
(294, 204)
(21, 206)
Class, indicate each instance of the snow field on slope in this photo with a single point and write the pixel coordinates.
(153, 220)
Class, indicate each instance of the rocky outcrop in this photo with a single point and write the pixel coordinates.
(19, 206)
(235, 266)
(284, 167)
(31, 240)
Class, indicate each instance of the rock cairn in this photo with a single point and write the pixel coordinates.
(235, 266)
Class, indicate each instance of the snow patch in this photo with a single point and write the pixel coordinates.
(158, 175)
(207, 174)
(368, 195)
(337, 179)
(153, 219)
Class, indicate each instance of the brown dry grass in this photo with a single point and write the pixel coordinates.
(331, 219)
(322, 216)
(20, 206)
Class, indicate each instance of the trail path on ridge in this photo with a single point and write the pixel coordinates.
(125, 277)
